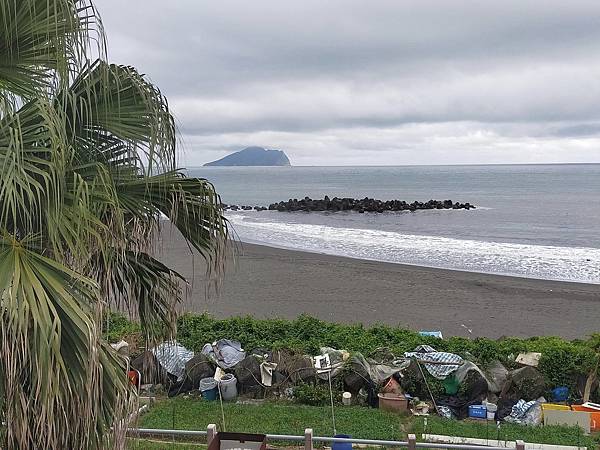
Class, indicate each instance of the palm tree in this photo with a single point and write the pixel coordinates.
(87, 174)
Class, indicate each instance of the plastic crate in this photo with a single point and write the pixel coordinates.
(477, 411)
(594, 416)
(555, 407)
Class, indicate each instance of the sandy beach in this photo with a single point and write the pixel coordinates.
(269, 282)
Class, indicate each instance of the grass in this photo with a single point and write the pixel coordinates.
(147, 444)
(359, 422)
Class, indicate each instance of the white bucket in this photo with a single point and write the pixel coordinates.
(228, 386)
(346, 398)
(491, 411)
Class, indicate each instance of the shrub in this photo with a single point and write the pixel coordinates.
(562, 361)
(316, 394)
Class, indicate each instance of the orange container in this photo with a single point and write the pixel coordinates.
(594, 416)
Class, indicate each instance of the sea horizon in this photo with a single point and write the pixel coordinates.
(403, 165)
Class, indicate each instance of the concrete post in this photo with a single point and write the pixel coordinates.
(520, 445)
(308, 439)
(211, 432)
(412, 442)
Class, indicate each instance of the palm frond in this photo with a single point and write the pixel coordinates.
(112, 100)
(191, 204)
(145, 286)
(87, 178)
(42, 42)
(51, 350)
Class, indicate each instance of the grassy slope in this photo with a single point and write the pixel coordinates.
(146, 444)
(359, 422)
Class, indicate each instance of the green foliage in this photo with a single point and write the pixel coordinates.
(315, 394)
(559, 435)
(116, 326)
(88, 168)
(561, 363)
(146, 444)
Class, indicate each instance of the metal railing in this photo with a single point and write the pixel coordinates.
(309, 439)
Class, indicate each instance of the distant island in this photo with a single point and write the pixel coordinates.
(253, 156)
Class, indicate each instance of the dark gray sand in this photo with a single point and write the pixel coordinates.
(268, 282)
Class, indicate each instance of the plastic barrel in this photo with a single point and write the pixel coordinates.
(228, 387)
(208, 388)
(342, 445)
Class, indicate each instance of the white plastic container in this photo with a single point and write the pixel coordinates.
(346, 398)
(228, 387)
(491, 411)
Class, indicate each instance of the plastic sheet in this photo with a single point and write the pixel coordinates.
(225, 352)
(172, 357)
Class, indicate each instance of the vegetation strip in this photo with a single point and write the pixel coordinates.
(275, 418)
(562, 362)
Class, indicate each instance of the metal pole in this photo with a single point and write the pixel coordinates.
(412, 442)
(285, 437)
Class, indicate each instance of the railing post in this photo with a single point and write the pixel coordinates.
(211, 432)
(308, 439)
(412, 442)
(520, 445)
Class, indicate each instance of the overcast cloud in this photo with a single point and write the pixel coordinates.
(372, 82)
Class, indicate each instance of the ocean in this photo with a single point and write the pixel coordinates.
(535, 221)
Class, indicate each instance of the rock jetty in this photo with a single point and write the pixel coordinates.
(351, 204)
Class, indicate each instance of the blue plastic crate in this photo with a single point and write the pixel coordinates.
(477, 411)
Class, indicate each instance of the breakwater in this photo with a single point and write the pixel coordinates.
(351, 204)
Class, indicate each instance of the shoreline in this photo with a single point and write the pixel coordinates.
(274, 282)
(356, 258)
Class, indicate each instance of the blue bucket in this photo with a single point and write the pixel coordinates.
(208, 388)
(342, 445)
(210, 394)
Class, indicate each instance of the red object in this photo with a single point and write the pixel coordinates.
(134, 378)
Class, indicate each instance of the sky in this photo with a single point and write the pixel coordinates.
(377, 82)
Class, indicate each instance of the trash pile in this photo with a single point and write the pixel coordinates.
(421, 382)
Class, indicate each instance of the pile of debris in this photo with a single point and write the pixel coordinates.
(421, 382)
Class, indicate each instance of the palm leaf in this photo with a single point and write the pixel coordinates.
(87, 173)
(50, 350)
(42, 40)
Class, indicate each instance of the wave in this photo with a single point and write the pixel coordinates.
(578, 264)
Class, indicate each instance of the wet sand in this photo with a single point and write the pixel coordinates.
(269, 282)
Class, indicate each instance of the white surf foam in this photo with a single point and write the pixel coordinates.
(580, 264)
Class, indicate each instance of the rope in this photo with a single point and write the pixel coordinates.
(427, 384)
(221, 401)
(332, 408)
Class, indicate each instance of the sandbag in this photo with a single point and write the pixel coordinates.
(150, 369)
(356, 377)
(475, 386)
(526, 383)
(247, 372)
(294, 367)
(497, 375)
(197, 368)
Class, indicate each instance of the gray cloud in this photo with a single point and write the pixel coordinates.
(388, 82)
